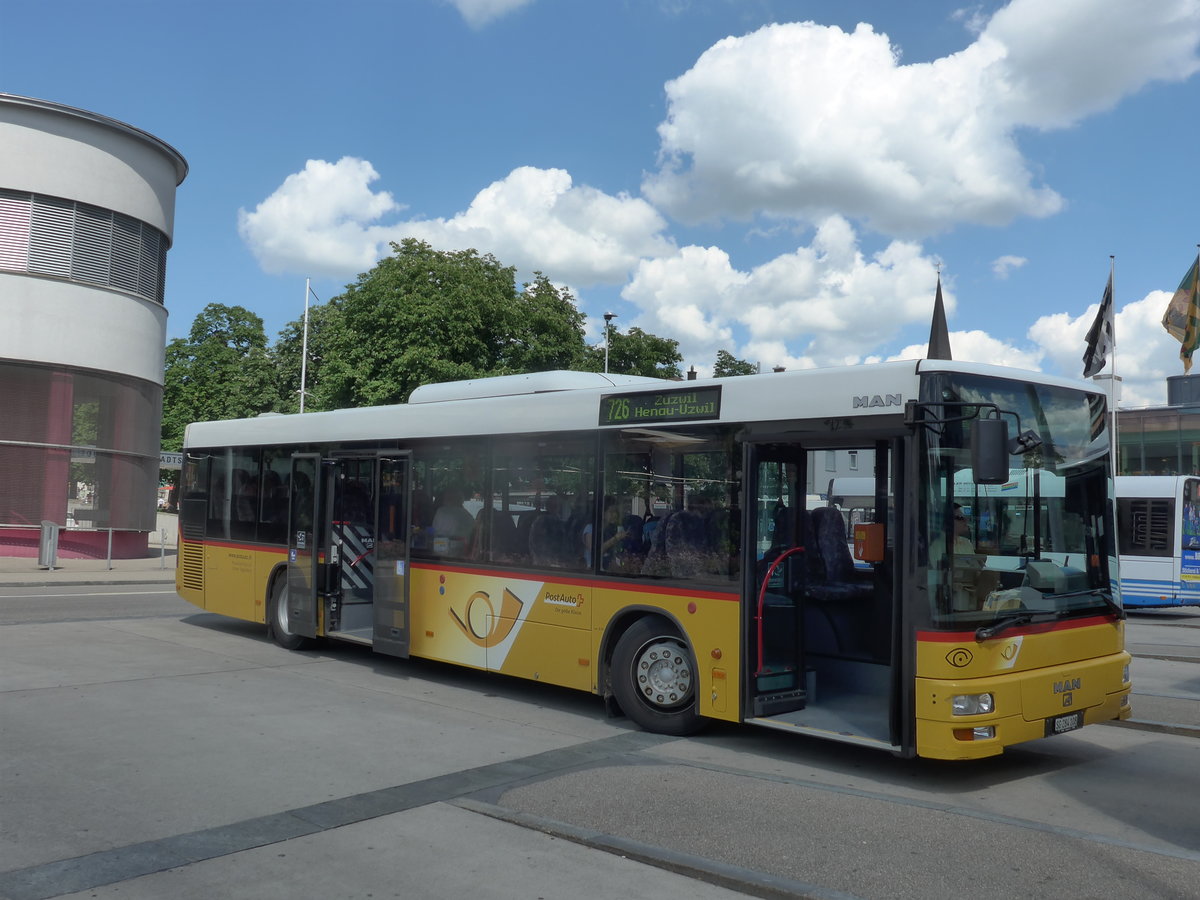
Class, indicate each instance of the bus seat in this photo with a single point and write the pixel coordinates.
(547, 541)
(656, 555)
(834, 575)
(685, 544)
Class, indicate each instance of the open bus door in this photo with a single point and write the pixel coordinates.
(392, 504)
(303, 547)
(820, 628)
(776, 571)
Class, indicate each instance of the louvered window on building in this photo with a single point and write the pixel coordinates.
(77, 241)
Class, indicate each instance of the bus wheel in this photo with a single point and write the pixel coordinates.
(654, 678)
(277, 619)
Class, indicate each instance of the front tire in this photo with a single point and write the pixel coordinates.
(654, 678)
(278, 619)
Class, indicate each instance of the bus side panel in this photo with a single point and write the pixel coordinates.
(231, 585)
(1033, 675)
(551, 630)
(711, 624)
(516, 625)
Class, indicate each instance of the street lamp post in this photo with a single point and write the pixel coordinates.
(608, 317)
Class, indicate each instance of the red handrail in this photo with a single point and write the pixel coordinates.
(762, 595)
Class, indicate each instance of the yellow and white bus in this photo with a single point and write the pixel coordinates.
(650, 542)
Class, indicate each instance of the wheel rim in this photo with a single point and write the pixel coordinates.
(663, 674)
(281, 614)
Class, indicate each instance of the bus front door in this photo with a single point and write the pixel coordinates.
(303, 547)
(775, 574)
(391, 554)
(819, 621)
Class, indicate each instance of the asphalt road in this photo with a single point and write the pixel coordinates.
(151, 750)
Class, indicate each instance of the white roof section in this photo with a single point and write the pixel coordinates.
(565, 402)
(1150, 485)
(532, 383)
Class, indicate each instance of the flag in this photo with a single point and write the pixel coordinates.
(939, 335)
(1100, 336)
(1182, 318)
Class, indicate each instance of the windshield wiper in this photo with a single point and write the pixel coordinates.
(1116, 609)
(987, 632)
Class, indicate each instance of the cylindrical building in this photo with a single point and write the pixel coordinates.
(87, 207)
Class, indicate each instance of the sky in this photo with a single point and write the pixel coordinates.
(781, 180)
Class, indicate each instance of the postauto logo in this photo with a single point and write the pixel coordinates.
(483, 624)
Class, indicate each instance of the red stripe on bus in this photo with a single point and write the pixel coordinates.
(959, 637)
(727, 596)
(229, 545)
(583, 582)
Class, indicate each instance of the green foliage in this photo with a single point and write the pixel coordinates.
(637, 352)
(419, 316)
(221, 371)
(728, 365)
(422, 316)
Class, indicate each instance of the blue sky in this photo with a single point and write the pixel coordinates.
(777, 179)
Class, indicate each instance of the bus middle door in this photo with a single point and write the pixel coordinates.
(392, 505)
(304, 551)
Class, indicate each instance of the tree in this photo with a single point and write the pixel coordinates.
(728, 365)
(637, 353)
(546, 329)
(422, 316)
(220, 371)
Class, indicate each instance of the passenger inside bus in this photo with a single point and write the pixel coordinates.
(452, 524)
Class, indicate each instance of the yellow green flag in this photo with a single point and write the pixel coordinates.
(1182, 318)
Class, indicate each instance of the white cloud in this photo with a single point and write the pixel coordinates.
(1002, 265)
(318, 220)
(536, 218)
(827, 297)
(802, 120)
(478, 13)
(1065, 60)
(324, 220)
(1145, 354)
(980, 347)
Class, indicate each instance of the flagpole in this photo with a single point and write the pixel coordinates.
(304, 347)
(1112, 379)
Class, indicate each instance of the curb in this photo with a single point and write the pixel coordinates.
(86, 583)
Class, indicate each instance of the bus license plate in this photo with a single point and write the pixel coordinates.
(1062, 724)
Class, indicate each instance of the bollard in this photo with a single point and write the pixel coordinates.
(108, 561)
(48, 546)
(162, 548)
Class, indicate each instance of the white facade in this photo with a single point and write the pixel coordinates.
(87, 209)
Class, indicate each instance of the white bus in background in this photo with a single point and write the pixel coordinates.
(1158, 536)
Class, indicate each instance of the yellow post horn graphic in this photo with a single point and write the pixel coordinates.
(480, 622)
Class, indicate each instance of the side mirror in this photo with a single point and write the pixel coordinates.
(989, 451)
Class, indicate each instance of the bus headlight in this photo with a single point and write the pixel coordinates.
(1125, 674)
(972, 704)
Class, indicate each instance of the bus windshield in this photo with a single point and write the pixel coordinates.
(1039, 546)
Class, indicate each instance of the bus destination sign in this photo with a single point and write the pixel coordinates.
(661, 406)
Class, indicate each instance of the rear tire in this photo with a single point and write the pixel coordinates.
(278, 620)
(654, 678)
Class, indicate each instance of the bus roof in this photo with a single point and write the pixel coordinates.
(1149, 485)
(571, 401)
